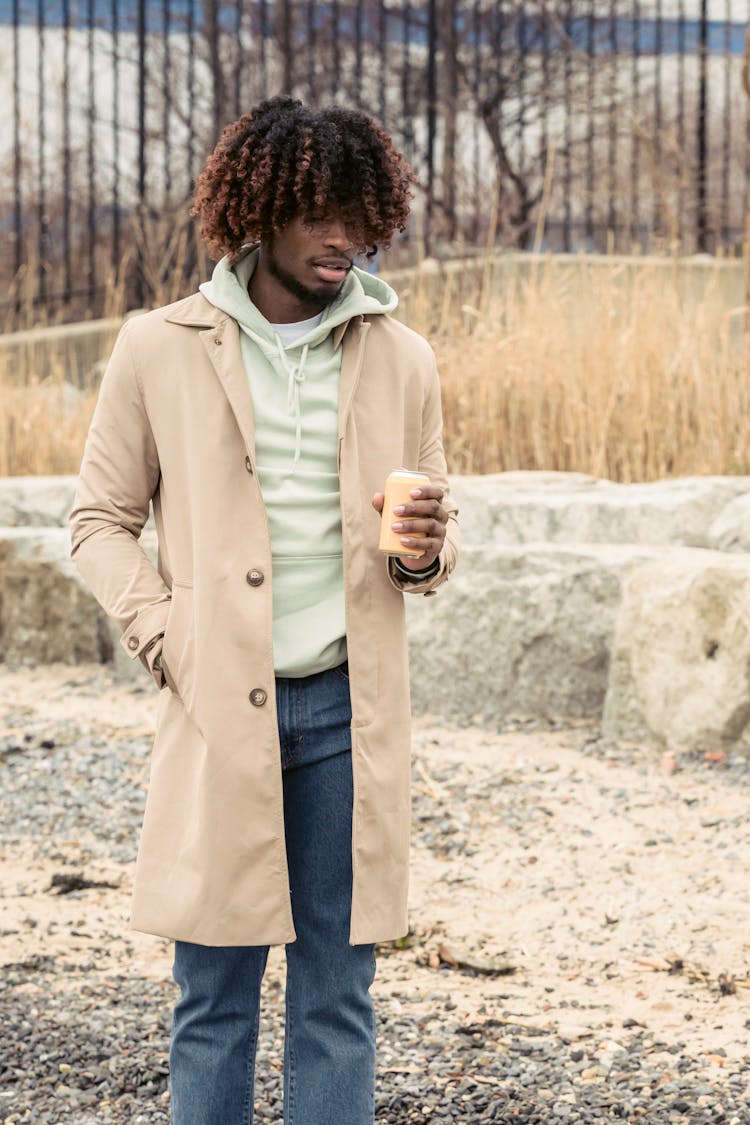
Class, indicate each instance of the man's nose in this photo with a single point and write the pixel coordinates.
(337, 237)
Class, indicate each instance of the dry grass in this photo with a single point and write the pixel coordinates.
(48, 392)
(42, 427)
(627, 370)
(633, 372)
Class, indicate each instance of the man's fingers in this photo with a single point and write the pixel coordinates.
(431, 527)
(421, 509)
(428, 492)
(377, 501)
(430, 549)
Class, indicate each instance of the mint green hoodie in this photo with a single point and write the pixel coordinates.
(295, 404)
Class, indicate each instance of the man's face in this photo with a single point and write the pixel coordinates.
(310, 259)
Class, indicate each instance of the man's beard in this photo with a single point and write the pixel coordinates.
(295, 287)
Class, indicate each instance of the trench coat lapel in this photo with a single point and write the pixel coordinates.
(352, 357)
(222, 346)
(220, 337)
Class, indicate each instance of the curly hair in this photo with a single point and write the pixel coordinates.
(283, 161)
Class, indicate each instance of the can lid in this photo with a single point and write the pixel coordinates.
(409, 473)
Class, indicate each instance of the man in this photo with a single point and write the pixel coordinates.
(262, 416)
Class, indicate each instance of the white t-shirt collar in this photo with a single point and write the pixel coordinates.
(289, 333)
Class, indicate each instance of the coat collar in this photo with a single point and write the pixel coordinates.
(195, 312)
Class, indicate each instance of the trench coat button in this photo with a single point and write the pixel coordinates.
(258, 697)
(133, 643)
(255, 577)
(217, 340)
(248, 464)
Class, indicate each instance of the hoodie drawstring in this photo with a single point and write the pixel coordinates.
(296, 377)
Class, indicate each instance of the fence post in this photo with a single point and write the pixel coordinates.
(746, 246)
(212, 32)
(140, 293)
(702, 210)
(432, 35)
(450, 119)
(17, 204)
(286, 43)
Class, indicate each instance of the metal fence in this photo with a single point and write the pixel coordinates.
(561, 124)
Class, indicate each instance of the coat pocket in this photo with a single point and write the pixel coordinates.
(178, 648)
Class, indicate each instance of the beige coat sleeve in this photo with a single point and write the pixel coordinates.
(119, 475)
(432, 462)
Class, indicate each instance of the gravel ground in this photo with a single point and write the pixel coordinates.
(579, 948)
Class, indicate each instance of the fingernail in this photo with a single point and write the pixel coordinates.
(397, 526)
(399, 509)
(416, 493)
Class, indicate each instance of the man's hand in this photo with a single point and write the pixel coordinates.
(425, 513)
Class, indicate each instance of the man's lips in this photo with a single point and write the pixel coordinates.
(332, 269)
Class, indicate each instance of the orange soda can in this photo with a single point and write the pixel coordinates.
(398, 487)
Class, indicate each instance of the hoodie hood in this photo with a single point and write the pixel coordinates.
(362, 294)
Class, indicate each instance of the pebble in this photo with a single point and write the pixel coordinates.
(110, 1047)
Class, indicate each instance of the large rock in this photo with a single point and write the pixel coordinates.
(514, 508)
(46, 612)
(520, 631)
(525, 627)
(36, 501)
(730, 531)
(680, 670)
(508, 509)
(40, 501)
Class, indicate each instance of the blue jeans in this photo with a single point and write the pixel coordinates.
(329, 1046)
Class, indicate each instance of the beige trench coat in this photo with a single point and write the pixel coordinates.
(174, 424)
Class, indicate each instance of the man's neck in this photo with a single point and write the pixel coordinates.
(274, 301)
